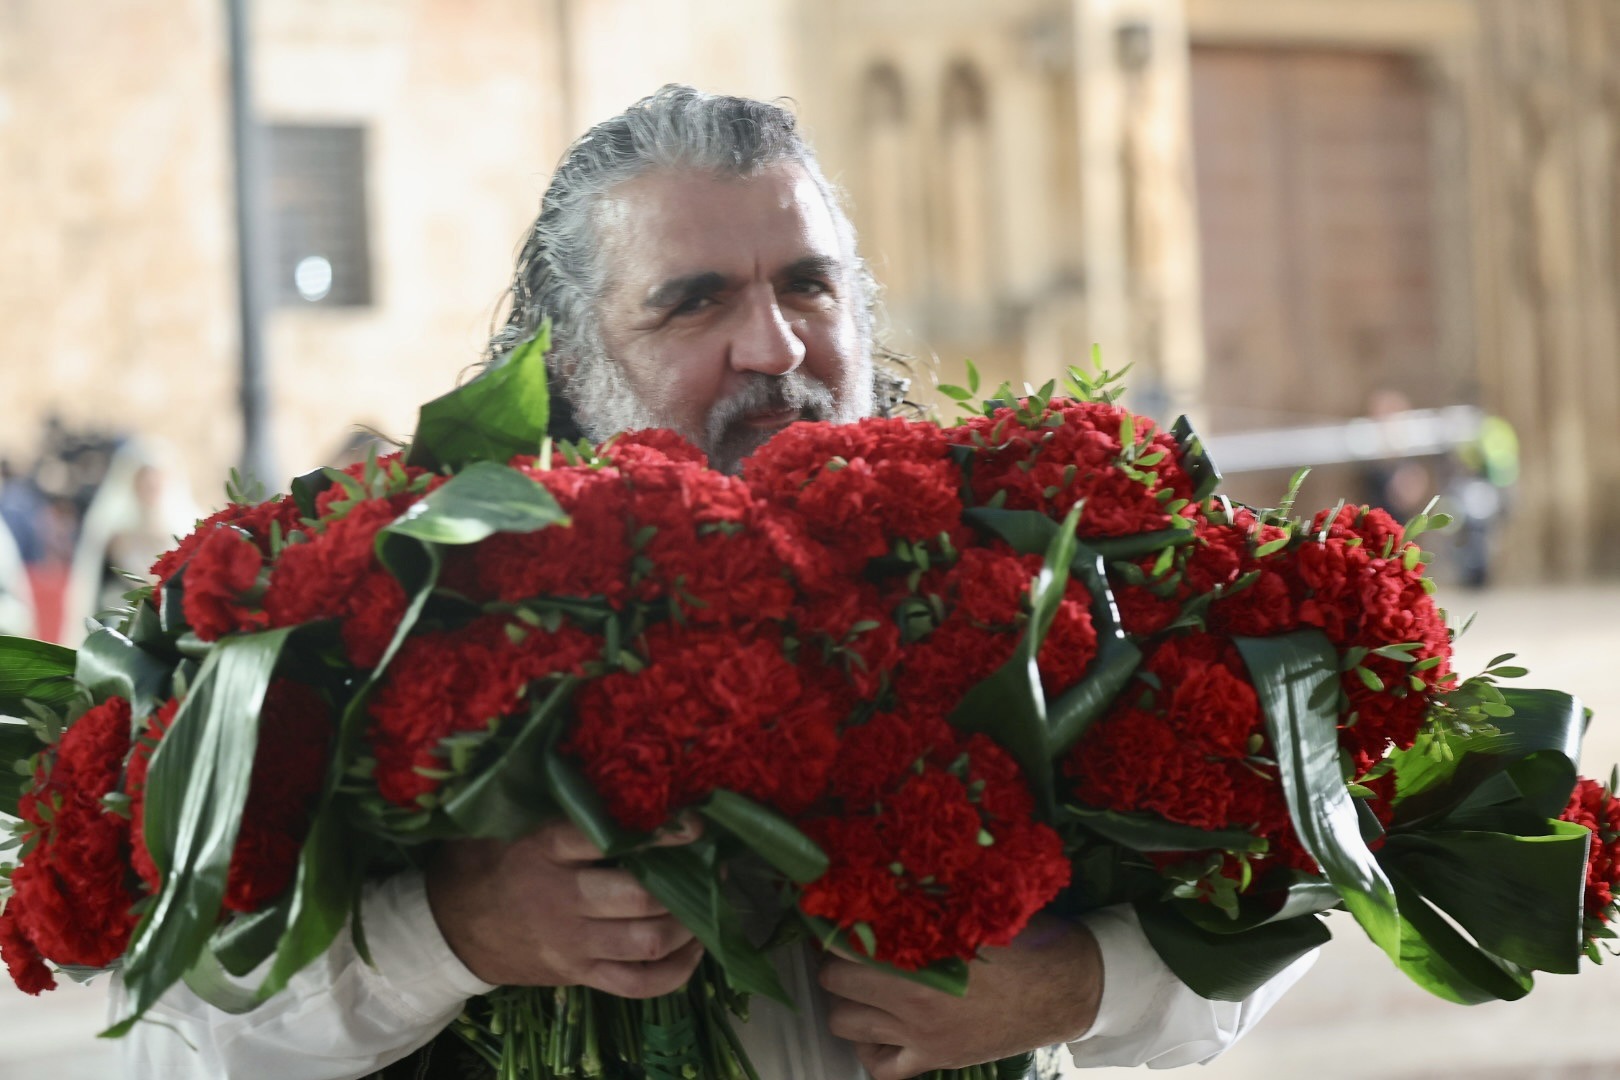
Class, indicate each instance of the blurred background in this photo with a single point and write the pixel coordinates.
(1377, 237)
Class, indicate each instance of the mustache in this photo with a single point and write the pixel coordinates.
(806, 395)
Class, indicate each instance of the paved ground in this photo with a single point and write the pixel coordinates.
(1353, 1017)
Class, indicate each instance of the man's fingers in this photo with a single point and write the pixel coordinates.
(859, 982)
(562, 842)
(631, 980)
(635, 940)
(892, 1062)
(856, 1023)
(615, 894)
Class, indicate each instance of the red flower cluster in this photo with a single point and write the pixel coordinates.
(1185, 741)
(710, 709)
(71, 901)
(447, 682)
(296, 727)
(843, 494)
(1075, 453)
(936, 852)
(1595, 807)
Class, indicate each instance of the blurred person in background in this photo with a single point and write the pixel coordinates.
(138, 509)
(701, 276)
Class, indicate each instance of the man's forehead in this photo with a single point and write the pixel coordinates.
(683, 220)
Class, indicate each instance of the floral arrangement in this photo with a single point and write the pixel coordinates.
(922, 681)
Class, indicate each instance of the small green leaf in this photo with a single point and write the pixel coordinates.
(769, 835)
(483, 499)
(500, 413)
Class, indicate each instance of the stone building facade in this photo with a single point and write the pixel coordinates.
(1272, 208)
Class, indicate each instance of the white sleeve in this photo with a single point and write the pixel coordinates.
(337, 1019)
(1148, 1016)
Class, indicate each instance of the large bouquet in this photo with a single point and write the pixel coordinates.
(921, 681)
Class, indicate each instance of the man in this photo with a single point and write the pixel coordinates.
(701, 277)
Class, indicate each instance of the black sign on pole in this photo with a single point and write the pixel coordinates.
(252, 252)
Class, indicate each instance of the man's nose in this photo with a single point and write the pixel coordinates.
(764, 341)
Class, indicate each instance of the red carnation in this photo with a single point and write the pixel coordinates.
(445, 682)
(71, 902)
(258, 520)
(935, 853)
(1594, 806)
(220, 576)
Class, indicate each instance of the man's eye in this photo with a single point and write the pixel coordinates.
(810, 286)
(691, 305)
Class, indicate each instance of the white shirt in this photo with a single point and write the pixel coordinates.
(341, 1018)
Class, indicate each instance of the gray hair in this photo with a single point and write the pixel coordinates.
(559, 270)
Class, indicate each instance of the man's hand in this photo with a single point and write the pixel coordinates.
(541, 912)
(1041, 990)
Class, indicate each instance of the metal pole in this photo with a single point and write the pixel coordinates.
(252, 252)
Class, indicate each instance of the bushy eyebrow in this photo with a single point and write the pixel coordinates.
(676, 289)
(672, 292)
(813, 266)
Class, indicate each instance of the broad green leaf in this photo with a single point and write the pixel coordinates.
(483, 499)
(686, 880)
(1147, 832)
(1228, 967)
(583, 806)
(509, 798)
(196, 790)
(322, 896)
(1538, 746)
(769, 835)
(500, 413)
(1078, 707)
(946, 976)
(1293, 675)
(1009, 706)
(1201, 470)
(111, 664)
(306, 488)
(327, 884)
(1282, 895)
(1436, 956)
(34, 670)
(248, 940)
(1518, 897)
(208, 978)
(1115, 548)
(18, 742)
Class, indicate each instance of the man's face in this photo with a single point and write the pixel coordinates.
(729, 306)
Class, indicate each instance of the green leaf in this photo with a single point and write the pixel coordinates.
(1078, 707)
(1201, 470)
(111, 664)
(509, 798)
(196, 790)
(1280, 895)
(18, 743)
(769, 835)
(1147, 832)
(1518, 897)
(1436, 956)
(947, 976)
(1228, 967)
(1538, 746)
(584, 807)
(323, 894)
(1293, 675)
(1009, 705)
(248, 940)
(34, 670)
(306, 488)
(686, 880)
(500, 413)
(1117, 548)
(483, 499)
